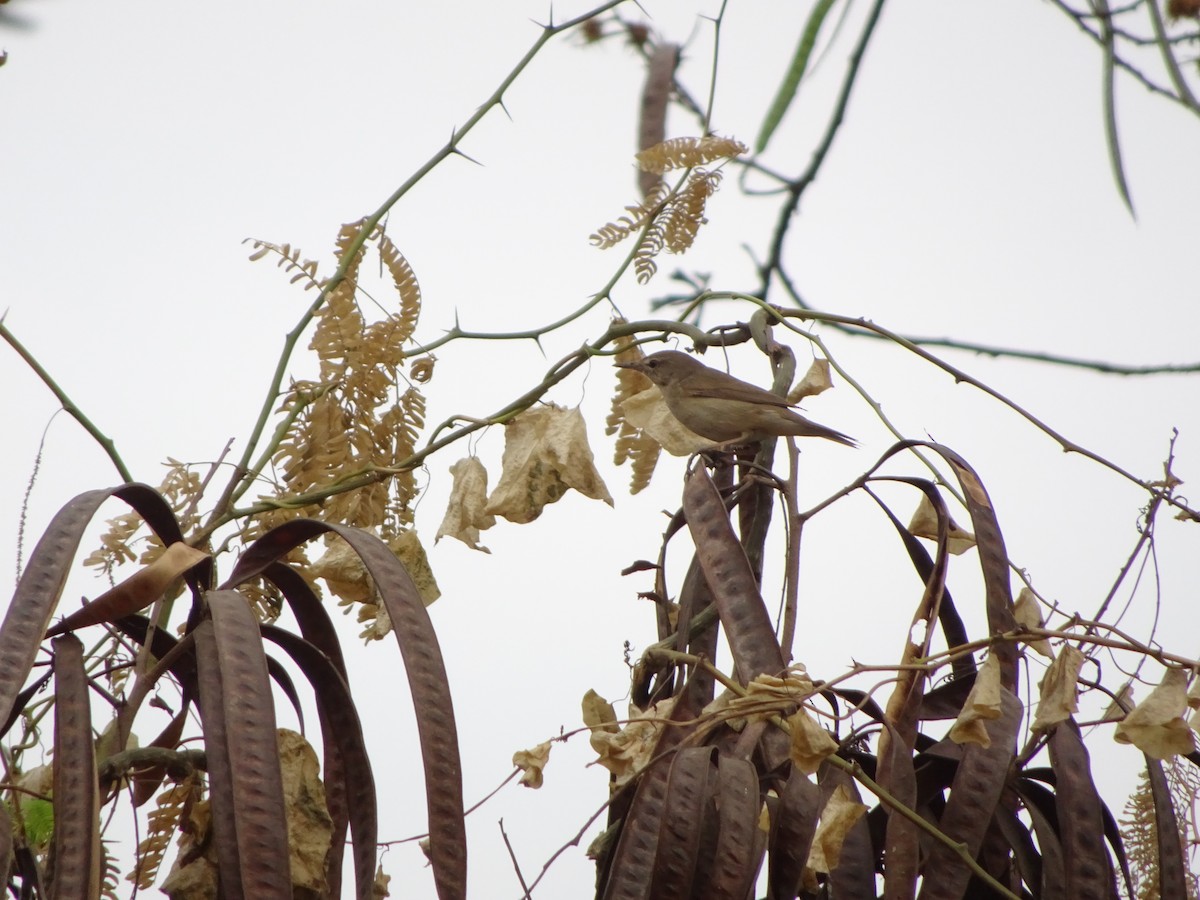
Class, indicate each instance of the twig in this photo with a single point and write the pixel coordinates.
(513, 857)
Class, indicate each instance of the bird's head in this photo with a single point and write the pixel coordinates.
(664, 367)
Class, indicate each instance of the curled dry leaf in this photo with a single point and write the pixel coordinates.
(531, 763)
(811, 743)
(626, 751)
(346, 577)
(837, 818)
(466, 513)
(983, 703)
(309, 825)
(765, 696)
(380, 887)
(598, 714)
(408, 549)
(343, 573)
(925, 524)
(1156, 725)
(1028, 612)
(815, 381)
(648, 411)
(1059, 695)
(546, 453)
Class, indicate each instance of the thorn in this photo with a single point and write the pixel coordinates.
(458, 152)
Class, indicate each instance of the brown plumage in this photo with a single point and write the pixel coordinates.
(722, 408)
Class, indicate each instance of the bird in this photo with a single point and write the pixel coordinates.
(722, 408)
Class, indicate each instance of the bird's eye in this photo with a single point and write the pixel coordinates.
(651, 364)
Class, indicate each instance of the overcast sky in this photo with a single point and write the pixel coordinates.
(969, 195)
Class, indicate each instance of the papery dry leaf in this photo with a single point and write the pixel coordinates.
(982, 703)
(408, 549)
(465, 512)
(308, 823)
(625, 752)
(840, 814)
(531, 763)
(925, 524)
(598, 714)
(546, 453)
(194, 872)
(379, 887)
(815, 381)
(765, 696)
(648, 411)
(1059, 689)
(1193, 694)
(343, 572)
(1028, 612)
(1156, 725)
(810, 742)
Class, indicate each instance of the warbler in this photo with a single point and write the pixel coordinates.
(722, 408)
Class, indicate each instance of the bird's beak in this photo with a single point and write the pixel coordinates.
(636, 365)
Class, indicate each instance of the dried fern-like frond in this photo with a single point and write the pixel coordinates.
(1139, 827)
(181, 488)
(406, 287)
(686, 215)
(639, 214)
(683, 153)
(652, 243)
(405, 422)
(632, 445)
(114, 543)
(171, 808)
(110, 874)
(422, 369)
(289, 260)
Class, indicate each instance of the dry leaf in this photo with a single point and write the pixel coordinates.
(308, 823)
(1059, 694)
(982, 703)
(343, 572)
(837, 818)
(407, 547)
(648, 411)
(625, 752)
(765, 696)
(531, 763)
(810, 742)
(1028, 612)
(598, 714)
(466, 514)
(1156, 725)
(815, 381)
(925, 524)
(546, 453)
(381, 884)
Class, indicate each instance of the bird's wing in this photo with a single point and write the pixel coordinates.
(736, 389)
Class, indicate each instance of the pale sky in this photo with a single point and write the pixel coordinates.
(968, 196)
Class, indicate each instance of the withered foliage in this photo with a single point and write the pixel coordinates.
(669, 221)
(688, 152)
(632, 445)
